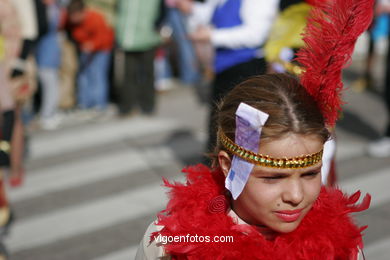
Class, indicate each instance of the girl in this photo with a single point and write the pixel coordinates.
(275, 207)
(262, 198)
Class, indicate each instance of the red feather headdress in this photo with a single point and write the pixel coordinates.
(332, 30)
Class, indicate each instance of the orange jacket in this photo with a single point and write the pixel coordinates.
(94, 31)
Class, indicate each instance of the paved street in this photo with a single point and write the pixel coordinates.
(93, 186)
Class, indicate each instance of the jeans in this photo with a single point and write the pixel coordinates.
(188, 66)
(50, 91)
(93, 80)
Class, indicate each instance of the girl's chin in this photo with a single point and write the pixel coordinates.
(287, 227)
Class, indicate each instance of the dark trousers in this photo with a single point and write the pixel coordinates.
(8, 121)
(387, 89)
(223, 83)
(138, 85)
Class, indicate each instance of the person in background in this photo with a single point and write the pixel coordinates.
(381, 147)
(10, 40)
(237, 30)
(31, 15)
(188, 65)
(94, 39)
(48, 55)
(137, 35)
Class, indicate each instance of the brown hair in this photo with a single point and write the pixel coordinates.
(290, 107)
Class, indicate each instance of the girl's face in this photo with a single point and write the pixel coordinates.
(280, 198)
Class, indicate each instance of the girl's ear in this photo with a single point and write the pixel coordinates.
(224, 161)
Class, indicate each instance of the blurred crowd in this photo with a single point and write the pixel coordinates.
(75, 55)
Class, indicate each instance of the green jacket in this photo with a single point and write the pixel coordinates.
(135, 26)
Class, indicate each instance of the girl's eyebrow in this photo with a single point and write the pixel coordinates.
(313, 169)
(264, 172)
(272, 173)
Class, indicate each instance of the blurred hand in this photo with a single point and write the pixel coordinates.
(185, 6)
(201, 34)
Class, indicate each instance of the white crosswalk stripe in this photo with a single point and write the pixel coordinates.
(75, 139)
(89, 216)
(126, 254)
(375, 183)
(379, 250)
(81, 172)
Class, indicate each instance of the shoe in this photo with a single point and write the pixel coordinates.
(85, 114)
(50, 123)
(379, 148)
(127, 115)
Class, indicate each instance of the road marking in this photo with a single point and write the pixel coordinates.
(379, 250)
(87, 217)
(376, 183)
(349, 150)
(76, 139)
(101, 167)
(125, 254)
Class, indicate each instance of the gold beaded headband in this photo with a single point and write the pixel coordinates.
(267, 161)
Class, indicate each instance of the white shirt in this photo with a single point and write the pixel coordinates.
(257, 18)
(27, 17)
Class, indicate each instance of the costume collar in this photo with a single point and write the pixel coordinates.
(326, 232)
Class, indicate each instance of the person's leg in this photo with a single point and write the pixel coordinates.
(128, 90)
(50, 88)
(381, 147)
(98, 69)
(5, 212)
(369, 62)
(83, 91)
(387, 91)
(8, 121)
(188, 64)
(163, 73)
(17, 152)
(146, 88)
(68, 71)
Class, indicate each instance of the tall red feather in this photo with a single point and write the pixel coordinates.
(332, 30)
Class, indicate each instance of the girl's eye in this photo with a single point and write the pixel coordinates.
(310, 174)
(272, 179)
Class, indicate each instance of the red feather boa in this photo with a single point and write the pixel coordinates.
(327, 232)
